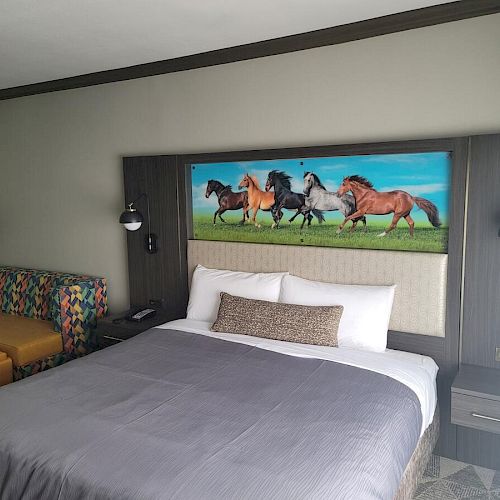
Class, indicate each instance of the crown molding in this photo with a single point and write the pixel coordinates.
(418, 18)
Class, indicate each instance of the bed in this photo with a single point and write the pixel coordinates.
(177, 412)
(182, 412)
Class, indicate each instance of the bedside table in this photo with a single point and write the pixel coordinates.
(475, 398)
(114, 328)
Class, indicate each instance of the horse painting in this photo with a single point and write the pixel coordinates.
(257, 199)
(370, 201)
(284, 197)
(228, 200)
(317, 197)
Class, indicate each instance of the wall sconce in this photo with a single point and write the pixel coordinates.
(132, 220)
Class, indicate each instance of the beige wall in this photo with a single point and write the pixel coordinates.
(61, 183)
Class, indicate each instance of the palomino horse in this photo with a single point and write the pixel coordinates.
(317, 197)
(370, 201)
(284, 197)
(257, 199)
(227, 199)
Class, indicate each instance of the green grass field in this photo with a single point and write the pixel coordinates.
(427, 238)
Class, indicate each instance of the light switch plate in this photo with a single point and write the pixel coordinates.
(497, 353)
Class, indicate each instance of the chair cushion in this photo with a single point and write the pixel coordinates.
(26, 339)
(5, 369)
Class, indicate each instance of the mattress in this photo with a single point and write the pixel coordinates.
(178, 414)
(416, 371)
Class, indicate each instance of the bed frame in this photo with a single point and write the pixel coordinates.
(162, 279)
(418, 461)
(419, 302)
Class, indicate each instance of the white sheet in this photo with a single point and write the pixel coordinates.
(414, 370)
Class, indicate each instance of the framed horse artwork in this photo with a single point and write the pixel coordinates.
(401, 200)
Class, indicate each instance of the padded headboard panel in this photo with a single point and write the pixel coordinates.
(420, 300)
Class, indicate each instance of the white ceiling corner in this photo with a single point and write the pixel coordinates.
(52, 39)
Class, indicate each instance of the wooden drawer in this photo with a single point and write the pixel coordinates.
(475, 412)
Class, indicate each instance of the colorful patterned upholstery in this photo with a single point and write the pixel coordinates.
(72, 302)
(20, 372)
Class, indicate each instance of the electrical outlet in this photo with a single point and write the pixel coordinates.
(497, 353)
(156, 303)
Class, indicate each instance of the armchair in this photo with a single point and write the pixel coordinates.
(63, 309)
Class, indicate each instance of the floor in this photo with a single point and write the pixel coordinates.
(446, 479)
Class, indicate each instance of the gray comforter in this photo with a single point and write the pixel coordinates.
(177, 415)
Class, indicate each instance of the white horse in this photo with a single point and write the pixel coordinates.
(318, 198)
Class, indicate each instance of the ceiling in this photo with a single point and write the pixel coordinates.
(43, 40)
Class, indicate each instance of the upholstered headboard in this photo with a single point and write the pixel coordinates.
(420, 300)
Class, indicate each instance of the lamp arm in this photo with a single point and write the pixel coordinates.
(142, 195)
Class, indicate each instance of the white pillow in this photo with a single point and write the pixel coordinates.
(367, 309)
(206, 285)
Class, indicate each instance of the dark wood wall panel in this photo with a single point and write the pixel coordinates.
(481, 301)
(159, 276)
(481, 321)
(478, 447)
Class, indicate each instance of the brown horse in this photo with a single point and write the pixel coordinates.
(370, 201)
(257, 199)
(227, 199)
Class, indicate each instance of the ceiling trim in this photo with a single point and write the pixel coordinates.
(418, 18)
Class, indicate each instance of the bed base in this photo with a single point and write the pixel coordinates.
(419, 459)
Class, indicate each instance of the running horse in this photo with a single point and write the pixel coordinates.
(257, 199)
(284, 197)
(318, 197)
(228, 200)
(370, 201)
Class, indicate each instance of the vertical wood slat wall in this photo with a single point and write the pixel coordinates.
(481, 299)
(160, 276)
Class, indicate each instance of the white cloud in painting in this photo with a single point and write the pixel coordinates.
(261, 176)
(418, 189)
(297, 185)
(199, 200)
(390, 159)
(415, 178)
(331, 185)
(332, 168)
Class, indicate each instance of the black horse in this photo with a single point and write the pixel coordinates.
(284, 197)
(228, 200)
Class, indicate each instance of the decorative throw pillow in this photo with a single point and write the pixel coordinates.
(278, 321)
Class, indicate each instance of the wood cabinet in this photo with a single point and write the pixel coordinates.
(475, 409)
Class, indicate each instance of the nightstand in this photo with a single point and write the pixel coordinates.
(475, 398)
(114, 328)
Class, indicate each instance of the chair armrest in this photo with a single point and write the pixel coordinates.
(76, 305)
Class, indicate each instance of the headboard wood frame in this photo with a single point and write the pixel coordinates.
(149, 277)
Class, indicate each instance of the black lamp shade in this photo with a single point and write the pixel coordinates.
(131, 219)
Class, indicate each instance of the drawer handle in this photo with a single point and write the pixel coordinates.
(485, 417)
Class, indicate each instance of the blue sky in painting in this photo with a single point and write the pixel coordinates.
(420, 174)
